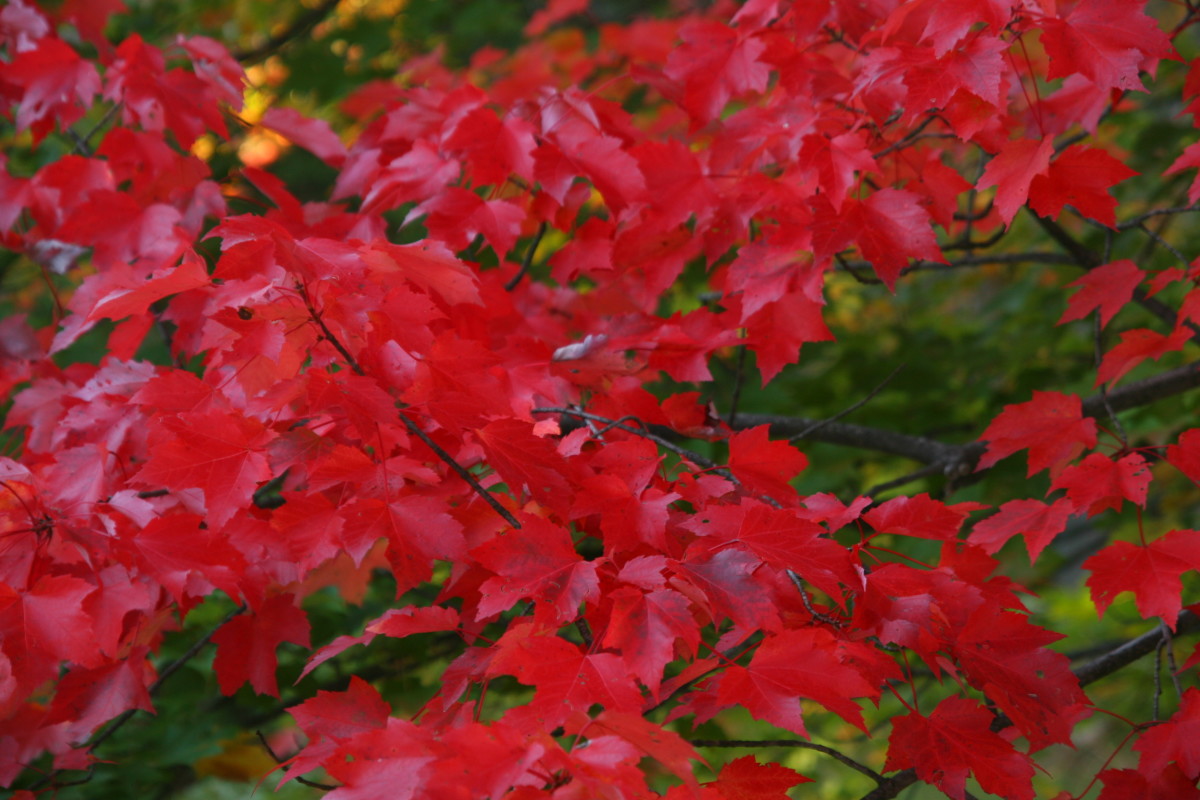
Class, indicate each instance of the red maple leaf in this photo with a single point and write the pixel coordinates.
(1176, 740)
(1109, 41)
(217, 451)
(314, 135)
(1150, 571)
(809, 663)
(763, 465)
(57, 85)
(746, 779)
(1135, 347)
(1108, 288)
(920, 516)
(714, 63)
(1098, 482)
(1185, 454)
(1051, 426)
(955, 741)
(1038, 522)
(1079, 176)
(539, 563)
(246, 644)
(1013, 171)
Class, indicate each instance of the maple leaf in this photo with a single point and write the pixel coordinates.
(1109, 41)
(1013, 171)
(314, 135)
(745, 779)
(88, 698)
(956, 741)
(57, 85)
(664, 746)
(1130, 784)
(219, 452)
(567, 680)
(1175, 741)
(246, 644)
(920, 516)
(808, 662)
(1108, 288)
(342, 715)
(1135, 347)
(1150, 571)
(538, 562)
(714, 63)
(644, 628)
(1185, 454)
(1079, 176)
(763, 465)
(526, 461)
(1099, 482)
(1051, 426)
(1038, 522)
(1006, 657)
(780, 538)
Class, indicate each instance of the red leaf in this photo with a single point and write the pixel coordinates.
(57, 86)
(401, 622)
(644, 628)
(88, 698)
(808, 662)
(1185, 455)
(1013, 171)
(894, 227)
(745, 779)
(763, 465)
(1051, 426)
(1037, 522)
(341, 715)
(219, 452)
(1098, 482)
(527, 462)
(715, 62)
(666, 747)
(1176, 740)
(1107, 288)
(920, 516)
(314, 135)
(1150, 571)
(537, 562)
(1129, 784)
(955, 741)
(1080, 176)
(1135, 347)
(1109, 41)
(246, 644)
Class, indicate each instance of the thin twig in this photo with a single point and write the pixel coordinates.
(816, 426)
(302, 23)
(817, 615)
(325, 787)
(411, 426)
(527, 262)
(117, 722)
(644, 432)
(1158, 212)
(820, 748)
(738, 379)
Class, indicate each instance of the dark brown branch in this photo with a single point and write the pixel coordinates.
(309, 19)
(1091, 672)
(116, 723)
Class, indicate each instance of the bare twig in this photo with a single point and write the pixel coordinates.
(808, 606)
(820, 748)
(325, 787)
(816, 426)
(411, 426)
(527, 262)
(116, 723)
(299, 26)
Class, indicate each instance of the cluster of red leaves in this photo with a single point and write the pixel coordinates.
(360, 372)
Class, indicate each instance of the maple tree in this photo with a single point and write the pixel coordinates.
(478, 455)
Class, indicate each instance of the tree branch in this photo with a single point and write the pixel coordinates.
(1091, 672)
(300, 25)
(820, 748)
